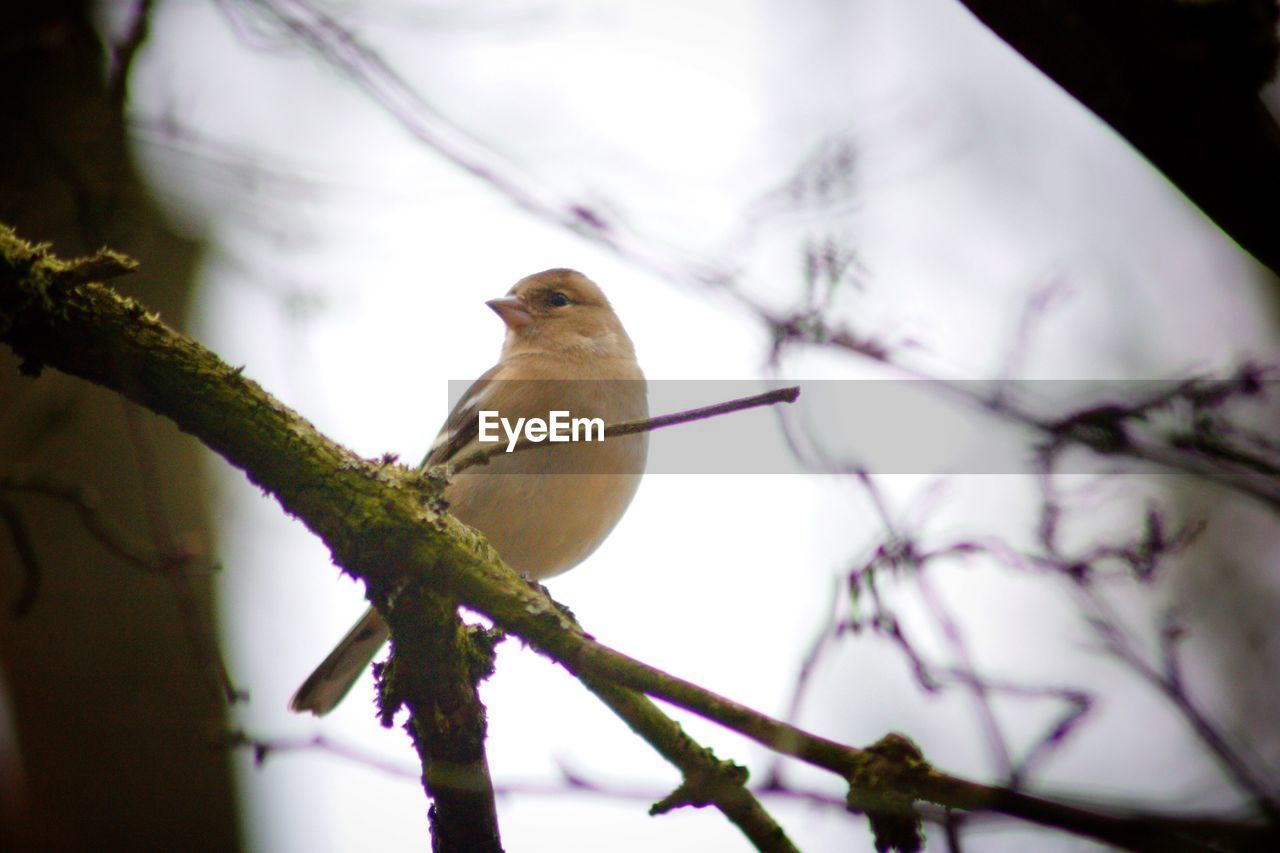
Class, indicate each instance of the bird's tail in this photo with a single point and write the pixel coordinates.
(334, 677)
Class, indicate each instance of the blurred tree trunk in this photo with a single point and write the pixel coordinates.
(110, 740)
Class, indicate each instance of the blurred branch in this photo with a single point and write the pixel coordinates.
(1180, 81)
(1104, 428)
(571, 782)
(87, 506)
(264, 748)
(28, 562)
(1168, 680)
(126, 50)
(175, 559)
(166, 556)
(1209, 447)
(822, 640)
(340, 47)
(1225, 834)
(1143, 558)
(966, 672)
(899, 549)
(344, 50)
(902, 554)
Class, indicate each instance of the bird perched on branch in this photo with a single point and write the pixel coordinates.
(546, 509)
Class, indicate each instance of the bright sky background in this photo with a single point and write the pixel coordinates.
(348, 266)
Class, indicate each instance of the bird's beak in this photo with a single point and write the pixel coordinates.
(512, 311)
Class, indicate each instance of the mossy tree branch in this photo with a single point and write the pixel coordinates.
(384, 524)
(435, 670)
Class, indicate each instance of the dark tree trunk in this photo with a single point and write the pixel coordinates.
(115, 717)
(1180, 82)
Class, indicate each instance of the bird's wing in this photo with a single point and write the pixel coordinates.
(462, 426)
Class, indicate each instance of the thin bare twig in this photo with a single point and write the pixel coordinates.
(825, 635)
(1168, 681)
(176, 560)
(20, 536)
(968, 676)
(86, 504)
(265, 748)
(769, 398)
(1143, 557)
(570, 783)
(900, 554)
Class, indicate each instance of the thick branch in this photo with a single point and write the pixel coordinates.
(707, 779)
(436, 666)
(383, 524)
(380, 521)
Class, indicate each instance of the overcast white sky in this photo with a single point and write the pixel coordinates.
(348, 266)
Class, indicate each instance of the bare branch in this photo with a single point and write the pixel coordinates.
(769, 398)
(87, 506)
(1168, 681)
(436, 666)
(1143, 557)
(20, 536)
(126, 50)
(707, 780)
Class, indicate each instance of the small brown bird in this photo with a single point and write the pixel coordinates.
(546, 509)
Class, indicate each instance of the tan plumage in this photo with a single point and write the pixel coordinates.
(545, 509)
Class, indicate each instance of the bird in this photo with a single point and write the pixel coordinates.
(546, 509)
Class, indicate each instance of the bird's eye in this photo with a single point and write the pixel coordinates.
(557, 300)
